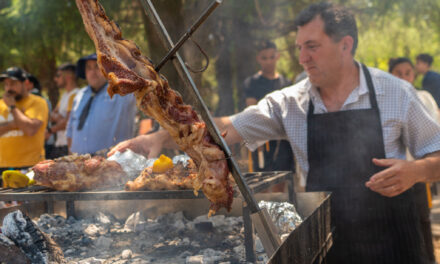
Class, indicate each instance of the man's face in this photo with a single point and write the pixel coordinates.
(94, 76)
(319, 55)
(422, 67)
(267, 59)
(404, 71)
(60, 79)
(15, 88)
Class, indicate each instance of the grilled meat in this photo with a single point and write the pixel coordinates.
(79, 172)
(129, 71)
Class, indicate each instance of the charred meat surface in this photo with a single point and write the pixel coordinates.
(79, 172)
(128, 71)
(179, 177)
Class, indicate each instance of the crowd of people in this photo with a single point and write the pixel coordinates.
(370, 138)
(85, 120)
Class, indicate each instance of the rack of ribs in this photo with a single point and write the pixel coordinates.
(128, 71)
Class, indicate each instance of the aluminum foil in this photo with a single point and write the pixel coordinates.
(283, 214)
(133, 164)
(181, 159)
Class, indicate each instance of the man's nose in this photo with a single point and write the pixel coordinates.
(304, 57)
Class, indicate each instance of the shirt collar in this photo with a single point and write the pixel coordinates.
(104, 88)
(360, 90)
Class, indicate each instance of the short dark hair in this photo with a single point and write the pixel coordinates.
(266, 44)
(67, 67)
(425, 58)
(393, 62)
(338, 21)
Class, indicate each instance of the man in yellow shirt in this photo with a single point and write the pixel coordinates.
(23, 119)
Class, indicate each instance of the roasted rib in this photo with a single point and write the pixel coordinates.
(129, 71)
(79, 172)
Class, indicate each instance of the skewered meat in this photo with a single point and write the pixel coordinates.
(79, 172)
(129, 71)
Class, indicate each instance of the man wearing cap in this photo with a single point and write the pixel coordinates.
(97, 121)
(23, 119)
(65, 78)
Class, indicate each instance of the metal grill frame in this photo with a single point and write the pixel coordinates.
(257, 182)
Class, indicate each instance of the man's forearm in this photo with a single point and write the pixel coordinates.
(28, 125)
(6, 127)
(59, 125)
(224, 125)
(431, 167)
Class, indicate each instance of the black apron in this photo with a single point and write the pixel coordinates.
(369, 227)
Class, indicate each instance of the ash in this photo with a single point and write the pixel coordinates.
(170, 238)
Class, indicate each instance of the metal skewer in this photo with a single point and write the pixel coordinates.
(188, 33)
(261, 219)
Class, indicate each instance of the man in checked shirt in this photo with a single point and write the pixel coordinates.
(349, 126)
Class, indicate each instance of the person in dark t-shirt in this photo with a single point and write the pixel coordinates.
(274, 155)
(431, 79)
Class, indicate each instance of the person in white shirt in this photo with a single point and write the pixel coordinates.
(65, 79)
(349, 126)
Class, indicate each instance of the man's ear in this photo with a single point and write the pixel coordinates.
(27, 84)
(347, 44)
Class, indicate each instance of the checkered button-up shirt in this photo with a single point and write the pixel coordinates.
(283, 115)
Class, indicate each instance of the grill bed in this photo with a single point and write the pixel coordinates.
(257, 182)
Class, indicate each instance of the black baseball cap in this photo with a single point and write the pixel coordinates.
(81, 65)
(33, 80)
(14, 73)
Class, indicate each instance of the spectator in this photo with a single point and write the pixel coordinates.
(65, 78)
(23, 119)
(275, 155)
(404, 69)
(431, 79)
(34, 87)
(97, 121)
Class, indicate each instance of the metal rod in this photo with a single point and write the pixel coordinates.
(188, 33)
(188, 81)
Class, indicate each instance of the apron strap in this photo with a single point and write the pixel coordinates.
(371, 93)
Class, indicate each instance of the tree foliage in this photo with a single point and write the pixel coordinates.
(39, 35)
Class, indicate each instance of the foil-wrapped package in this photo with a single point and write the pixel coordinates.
(132, 163)
(283, 214)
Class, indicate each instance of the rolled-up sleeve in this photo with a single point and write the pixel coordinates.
(262, 122)
(421, 133)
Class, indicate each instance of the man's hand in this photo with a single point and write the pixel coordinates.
(147, 145)
(9, 99)
(397, 178)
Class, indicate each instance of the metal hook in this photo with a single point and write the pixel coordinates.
(204, 54)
